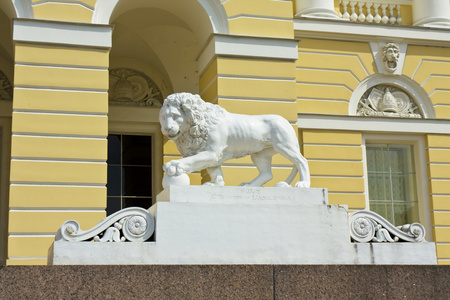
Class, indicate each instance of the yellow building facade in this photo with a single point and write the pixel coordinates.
(82, 83)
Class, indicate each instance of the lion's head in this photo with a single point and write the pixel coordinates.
(186, 118)
(391, 55)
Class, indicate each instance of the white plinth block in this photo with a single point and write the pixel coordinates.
(239, 225)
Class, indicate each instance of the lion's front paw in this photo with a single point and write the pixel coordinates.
(303, 184)
(174, 167)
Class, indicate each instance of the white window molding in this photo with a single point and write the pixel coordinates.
(418, 94)
(420, 160)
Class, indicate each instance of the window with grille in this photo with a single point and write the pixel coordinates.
(129, 172)
(392, 182)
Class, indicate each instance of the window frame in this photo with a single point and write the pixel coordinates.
(141, 121)
(420, 163)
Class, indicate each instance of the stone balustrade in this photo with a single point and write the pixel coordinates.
(429, 13)
(385, 12)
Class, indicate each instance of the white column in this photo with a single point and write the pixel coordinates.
(316, 8)
(432, 13)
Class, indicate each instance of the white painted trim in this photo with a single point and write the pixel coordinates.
(374, 124)
(103, 11)
(215, 10)
(77, 34)
(63, 2)
(418, 94)
(59, 159)
(420, 161)
(58, 184)
(369, 32)
(247, 46)
(60, 89)
(217, 15)
(23, 9)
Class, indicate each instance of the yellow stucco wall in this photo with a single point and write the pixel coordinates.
(438, 151)
(59, 126)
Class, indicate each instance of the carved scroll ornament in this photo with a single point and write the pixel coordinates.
(6, 89)
(387, 101)
(367, 226)
(130, 87)
(132, 224)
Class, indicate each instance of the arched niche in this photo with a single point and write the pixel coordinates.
(166, 36)
(402, 83)
(104, 10)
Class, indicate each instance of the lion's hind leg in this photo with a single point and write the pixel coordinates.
(300, 163)
(292, 152)
(216, 175)
(262, 161)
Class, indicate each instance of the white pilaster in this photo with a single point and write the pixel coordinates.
(431, 13)
(316, 9)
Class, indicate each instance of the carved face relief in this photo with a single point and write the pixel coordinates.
(391, 55)
(387, 101)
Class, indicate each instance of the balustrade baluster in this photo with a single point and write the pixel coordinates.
(353, 16)
(384, 18)
(361, 16)
(377, 18)
(369, 17)
(392, 19)
(345, 15)
(399, 17)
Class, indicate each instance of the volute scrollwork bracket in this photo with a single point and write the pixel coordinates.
(132, 224)
(367, 226)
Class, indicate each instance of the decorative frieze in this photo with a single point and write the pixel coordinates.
(132, 224)
(6, 89)
(387, 101)
(131, 87)
(367, 226)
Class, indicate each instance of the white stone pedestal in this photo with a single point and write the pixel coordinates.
(239, 225)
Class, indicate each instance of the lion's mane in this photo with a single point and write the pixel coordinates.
(200, 115)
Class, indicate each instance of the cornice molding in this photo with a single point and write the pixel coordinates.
(369, 32)
(65, 33)
(373, 124)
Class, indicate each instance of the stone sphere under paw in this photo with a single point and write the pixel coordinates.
(182, 179)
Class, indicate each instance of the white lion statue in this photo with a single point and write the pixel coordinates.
(207, 135)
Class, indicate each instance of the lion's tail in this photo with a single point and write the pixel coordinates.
(292, 175)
